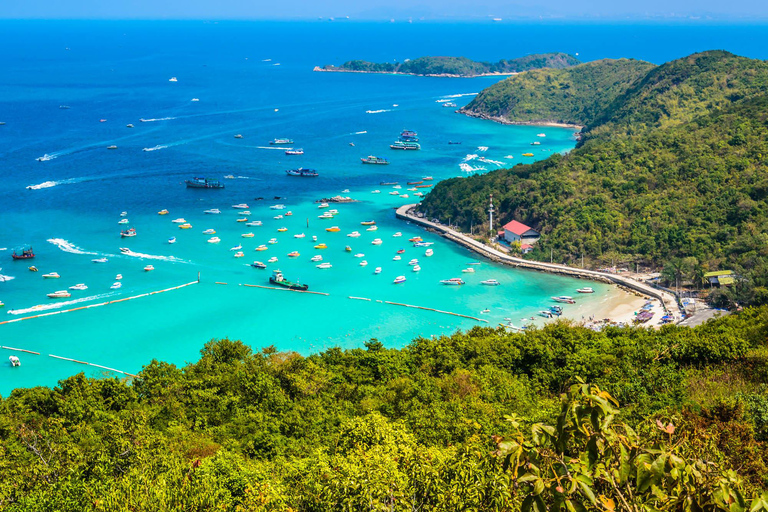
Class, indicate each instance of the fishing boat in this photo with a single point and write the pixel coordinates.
(424, 186)
(247, 235)
(429, 252)
(414, 261)
(258, 264)
(399, 279)
(302, 172)
(239, 254)
(377, 271)
(321, 246)
(324, 265)
(376, 241)
(214, 240)
(294, 254)
(416, 268)
(333, 229)
(586, 289)
(297, 151)
(212, 211)
(128, 233)
(51, 275)
(14, 360)
(565, 299)
(353, 234)
(398, 234)
(282, 230)
(253, 223)
(180, 220)
(277, 279)
(149, 268)
(209, 232)
(316, 257)
(172, 240)
(405, 145)
(372, 228)
(454, 281)
(100, 260)
(186, 225)
(201, 182)
(261, 248)
(78, 287)
(277, 207)
(280, 142)
(116, 285)
(163, 212)
(123, 221)
(375, 160)
(241, 206)
(61, 294)
(490, 282)
(468, 270)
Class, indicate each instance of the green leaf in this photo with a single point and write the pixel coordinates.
(538, 487)
(587, 490)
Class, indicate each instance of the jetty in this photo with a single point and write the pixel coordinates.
(668, 300)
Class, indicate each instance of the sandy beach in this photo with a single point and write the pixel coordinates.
(618, 307)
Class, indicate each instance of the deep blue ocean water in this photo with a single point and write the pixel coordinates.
(256, 79)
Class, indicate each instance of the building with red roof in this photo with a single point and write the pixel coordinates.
(518, 232)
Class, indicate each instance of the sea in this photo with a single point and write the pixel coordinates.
(69, 90)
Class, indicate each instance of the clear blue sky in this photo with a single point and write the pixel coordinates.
(384, 9)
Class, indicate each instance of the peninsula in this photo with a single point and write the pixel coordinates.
(457, 66)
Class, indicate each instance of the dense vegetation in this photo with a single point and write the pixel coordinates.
(460, 66)
(674, 169)
(572, 96)
(474, 421)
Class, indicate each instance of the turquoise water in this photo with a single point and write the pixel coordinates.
(120, 72)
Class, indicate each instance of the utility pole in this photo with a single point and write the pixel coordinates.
(490, 214)
(551, 251)
(582, 260)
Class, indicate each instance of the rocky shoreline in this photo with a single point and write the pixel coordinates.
(442, 75)
(504, 120)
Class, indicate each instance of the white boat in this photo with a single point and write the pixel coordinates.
(149, 268)
(353, 234)
(363, 263)
(377, 271)
(236, 248)
(277, 217)
(172, 240)
(345, 191)
(565, 299)
(173, 79)
(429, 252)
(359, 255)
(61, 294)
(469, 270)
(239, 254)
(372, 228)
(247, 235)
(214, 240)
(123, 214)
(541, 134)
(586, 289)
(324, 265)
(80, 286)
(253, 223)
(123, 221)
(272, 241)
(212, 211)
(241, 206)
(394, 193)
(454, 281)
(51, 275)
(376, 241)
(100, 260)
(14, 361)
(179, 221)
(399, 279)
(277, 207)
(414, 261)
(404, 196)
(397, 187)
(398, 234)
(375, 191)
(490, 282)
(416, 268)
(244, 212)
(316, 258)
(323, 205)
(314, 238)
(273, 259)
(326, 215)
(118, 277)
(299, 235)
(396, 258)
(209, 232)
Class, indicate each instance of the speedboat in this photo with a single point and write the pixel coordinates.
(244, 212)
(400, 251)
(277, 207)
(209, 232)
(238, 136)
(586, 289)
(416, 239)
(314, 238)
(32, 268)
(172, 240)
(123, 221)
(427, 178)
(372, 228)
(277, 217)
(123, 214)
(116, 285)
(429, 252)
(376, 241)
(316, 258)
(100, 260)
(299, 235)
(347, 248)
(399, 279)
(272, 241)
(247, 235)
(454, 281)
(282, 230)
(118, 277)
(490, 282)
(377, 271)
(333, 229)
(149, 268)
(14, 361)
(261, 248)
(180, 220)
(163, 212)
(326, 215)
(469, 270)
(353, 234)
(294, 254)
(368, 222)
(565, 299)
(324, 265)
(80, 286)
(258, 264)
(288, 214)
(414, 261)
(236, 248)
(359, 255)
(214, 240)
(323, 205)
(398, 234)
(416, 268)
(244, 219)
(273, 259)
(239, 254)
(321, 246)
(396, 258)
(546, 314)
(345, 191)
(51, 275)
(253, 223)
(404, 196)
(375, 191)
(186, 225)
(363, 263)
(61, 294)
(212, 211)
(241, 206)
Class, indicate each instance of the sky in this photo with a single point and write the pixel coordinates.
(746, 10)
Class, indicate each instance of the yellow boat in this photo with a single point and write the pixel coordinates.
(294, 254)
(321, 246)
(527, 154)
(247, 235)
(185, 226)
(282, 230)
(368, 222)
(262, 248)
(333, 229)
(163, 212)
(244, 219)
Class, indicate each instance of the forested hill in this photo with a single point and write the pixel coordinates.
(675, 419)
(576, 95)
(687, 182)
(458, 66)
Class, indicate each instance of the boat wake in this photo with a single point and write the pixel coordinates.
(156, 119)
(378, 111)
(67, 246)
(49, 184)
(469, 157)
(143, 256)
(58, 305)
(359, 133)
(460, 95)
(4, 278)
(468, 168)
(482, 148)
(281, 148)
(47, 157)
(155, 148)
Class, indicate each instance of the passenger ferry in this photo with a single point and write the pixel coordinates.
(375, 160)
(203, 183)
(304, 173)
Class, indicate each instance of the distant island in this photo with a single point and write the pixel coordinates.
(458, 66)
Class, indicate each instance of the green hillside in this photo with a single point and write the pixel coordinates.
(671, 417)
(459, 66)
(689, 181)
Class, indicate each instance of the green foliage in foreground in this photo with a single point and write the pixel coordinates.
(483, 420)
(460, 66)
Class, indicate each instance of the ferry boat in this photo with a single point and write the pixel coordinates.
(26, 254)
(61, 294)
(212, 211)
(375, 160)
(304, 173)
(399, 279)
(490, 282)
(280, 142)
(564, 298)
(203, 183)
(128, 233)
(297, 151)
(409, 135)
(401, 144)
(277, 279)
(454, 281)
(258, 264)
(586, 289)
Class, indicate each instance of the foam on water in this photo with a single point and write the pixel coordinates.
(69, 247)
(144, 256)
(461, 94)
(155, 148)
(49, 184)
(58, 305)
(378, 111)
(156, 119)
(4, 278)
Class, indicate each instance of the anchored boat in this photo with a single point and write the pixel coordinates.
(277, 279)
